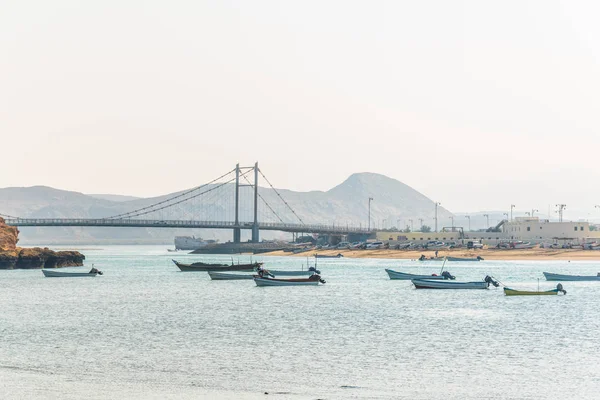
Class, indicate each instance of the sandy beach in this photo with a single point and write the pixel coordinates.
(489, 254)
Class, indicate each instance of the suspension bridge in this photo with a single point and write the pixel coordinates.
(223, 203)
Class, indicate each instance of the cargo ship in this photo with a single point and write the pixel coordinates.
(191, 242)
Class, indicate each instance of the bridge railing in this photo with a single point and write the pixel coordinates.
(308, 228)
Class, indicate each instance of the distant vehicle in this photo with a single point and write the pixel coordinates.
(474, 244)
(343, 245)
(436, 245)
(374, 245)
(356, 245)
(404, 245)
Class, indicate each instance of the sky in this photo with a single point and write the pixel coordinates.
(477, 105)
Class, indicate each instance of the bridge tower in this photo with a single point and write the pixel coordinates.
(255, 238)
(237, 232)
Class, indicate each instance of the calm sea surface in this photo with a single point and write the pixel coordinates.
(146, 330)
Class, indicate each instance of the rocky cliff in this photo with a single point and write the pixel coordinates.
(12, 257)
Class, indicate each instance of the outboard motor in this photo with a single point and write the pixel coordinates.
(316, 277)
(480, 258)
(491, 280)
(448, 275)
(313, 269)
(422, 258)
(559, 287)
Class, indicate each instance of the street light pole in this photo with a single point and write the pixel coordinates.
(411, 225)
(436, 207)
(369, 225)
(561, 207)
(398, 224)
(487, 216)
(511, 210)
(452, 218)
(469, 218)
(421, 222)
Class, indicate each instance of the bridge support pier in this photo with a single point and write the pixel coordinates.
(237, 235)
(255, 236)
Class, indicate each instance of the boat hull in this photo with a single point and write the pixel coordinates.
(445, 284)
(462, 259)
(290, 273)
(284, 282)
(58, 274)
(407, 277)
(216, 267)
(513, 292)
(558, 277)
(227, 276)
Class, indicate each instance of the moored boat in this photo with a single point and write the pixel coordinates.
(312, 280)
(60, 274)
(290, 273)
(560, 277)
(199, 266)
(406, 277)
(228, 276)
(514, 292)
(338, 255)
(446, 284)
(478, 258)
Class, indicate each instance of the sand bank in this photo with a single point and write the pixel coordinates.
(489, 254)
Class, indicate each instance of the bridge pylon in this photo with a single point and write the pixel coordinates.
(237, 230)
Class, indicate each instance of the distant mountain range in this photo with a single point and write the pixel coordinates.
(394, 203)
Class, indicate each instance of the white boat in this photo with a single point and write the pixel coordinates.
(445, 284)
(407, 277)
(57, 274)
(227, 276)
(559, 277)
(290, 273)
(312, 280)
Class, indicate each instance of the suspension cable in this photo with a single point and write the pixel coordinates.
(120, 216)
(264, 201)
(189, 198)
(281, 197)
(8, 216)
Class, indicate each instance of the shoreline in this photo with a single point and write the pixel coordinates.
(487, 254)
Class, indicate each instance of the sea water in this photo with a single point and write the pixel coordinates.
(146, 330)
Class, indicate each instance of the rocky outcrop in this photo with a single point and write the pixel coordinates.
(12, 257)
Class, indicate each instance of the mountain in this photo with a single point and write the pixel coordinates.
(114, 197)
(394, 203)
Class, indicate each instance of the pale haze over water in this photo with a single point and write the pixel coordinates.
(479, 105)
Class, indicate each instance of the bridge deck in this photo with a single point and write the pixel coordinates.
(141, 223)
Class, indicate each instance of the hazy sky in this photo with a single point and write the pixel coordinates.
(476, 104)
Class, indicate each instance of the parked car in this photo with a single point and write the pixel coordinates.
(343, 245)
(374, 245)
(474, 244)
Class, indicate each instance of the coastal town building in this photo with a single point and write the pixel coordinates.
(530, 229)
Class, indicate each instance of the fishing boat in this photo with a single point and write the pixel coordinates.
(290, 273)
(446, 284)
(59, 274)
(559, 277)
(228, 276)
(199, 266)
(423, 258)
(478, 258)
(339, 255)
(407, 277)
(513, 292)
(312, 280)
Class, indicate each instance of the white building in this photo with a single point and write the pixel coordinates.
(535, 229)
